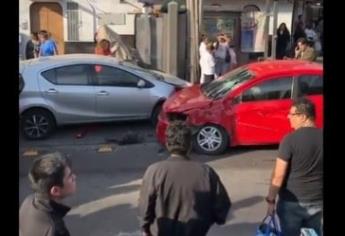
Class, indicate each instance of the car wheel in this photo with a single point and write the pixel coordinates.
(37, 124)
(211, 140)
(155, 114)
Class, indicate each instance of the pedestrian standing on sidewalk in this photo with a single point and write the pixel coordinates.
(233, 56)
(178, 196)
(222, 55)
(103, 48)
(41, 214)
(299, 30)
(48, 45)
(283, 41)
(208, 63)
(32, 46)
(298, 173)
(202, 53)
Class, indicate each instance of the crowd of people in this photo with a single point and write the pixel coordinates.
(305, 43)
(41, 44)
(216, 58)
(174, 204)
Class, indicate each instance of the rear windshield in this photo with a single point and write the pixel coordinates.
(220, 87)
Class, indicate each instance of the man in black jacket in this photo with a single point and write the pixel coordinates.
(41, 214)
(179, 196)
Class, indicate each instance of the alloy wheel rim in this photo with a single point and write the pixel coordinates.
(36, 126)
(209, 138)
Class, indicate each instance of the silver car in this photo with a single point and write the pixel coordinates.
(85, 88)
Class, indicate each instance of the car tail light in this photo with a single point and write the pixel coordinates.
(21, 83)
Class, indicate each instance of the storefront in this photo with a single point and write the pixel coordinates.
(244, 21)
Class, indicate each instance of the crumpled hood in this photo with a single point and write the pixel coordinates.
(171, 79)
(186, 99)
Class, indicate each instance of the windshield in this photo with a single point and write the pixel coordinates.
(219, 88)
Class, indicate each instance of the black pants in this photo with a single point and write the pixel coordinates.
(208, 78)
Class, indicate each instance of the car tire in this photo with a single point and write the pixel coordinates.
(37, 124)
(155, 114)
(210, 140)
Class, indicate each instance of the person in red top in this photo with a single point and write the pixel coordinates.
(103, 48)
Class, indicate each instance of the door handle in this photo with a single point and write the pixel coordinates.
(103, 93)
(52, 91)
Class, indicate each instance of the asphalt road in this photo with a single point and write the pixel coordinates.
(108, 183)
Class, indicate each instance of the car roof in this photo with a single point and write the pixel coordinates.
(68, 58)
(273, 67)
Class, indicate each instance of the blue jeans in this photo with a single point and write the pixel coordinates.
(296, 215)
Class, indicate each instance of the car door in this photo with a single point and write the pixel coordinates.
(69, 91)
(118, 96)
(261, 115)
(311, 86)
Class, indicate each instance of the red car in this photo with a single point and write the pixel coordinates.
(247, 106)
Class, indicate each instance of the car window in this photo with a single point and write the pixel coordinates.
(269, 90)
(111, 76)
(50, 76)
(72, 75)
(68, 75)
(310, 85)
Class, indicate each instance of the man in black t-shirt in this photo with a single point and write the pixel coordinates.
(298, 173)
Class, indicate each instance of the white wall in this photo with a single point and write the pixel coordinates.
(24, 16)
(86, 30)
(86, 16)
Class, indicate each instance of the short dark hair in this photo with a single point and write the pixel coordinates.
(48, 171)
(34, 34)
(44, 33)
(305, 106)
(302, 41)
(209, 46)
(178, 137)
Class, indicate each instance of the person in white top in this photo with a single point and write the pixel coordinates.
(208, 64)
(202, 52)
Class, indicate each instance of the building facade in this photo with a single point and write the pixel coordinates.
(73, 23)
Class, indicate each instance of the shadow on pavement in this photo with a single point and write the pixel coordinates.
(104, 222)
(237, 229)
(126, 222)
(108, 182)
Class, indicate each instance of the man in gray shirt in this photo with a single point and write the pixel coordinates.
(42, 213)
(179, 196)
(298, 174)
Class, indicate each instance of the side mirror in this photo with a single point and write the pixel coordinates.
(141, 84)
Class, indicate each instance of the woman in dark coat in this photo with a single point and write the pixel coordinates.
(283, 40)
